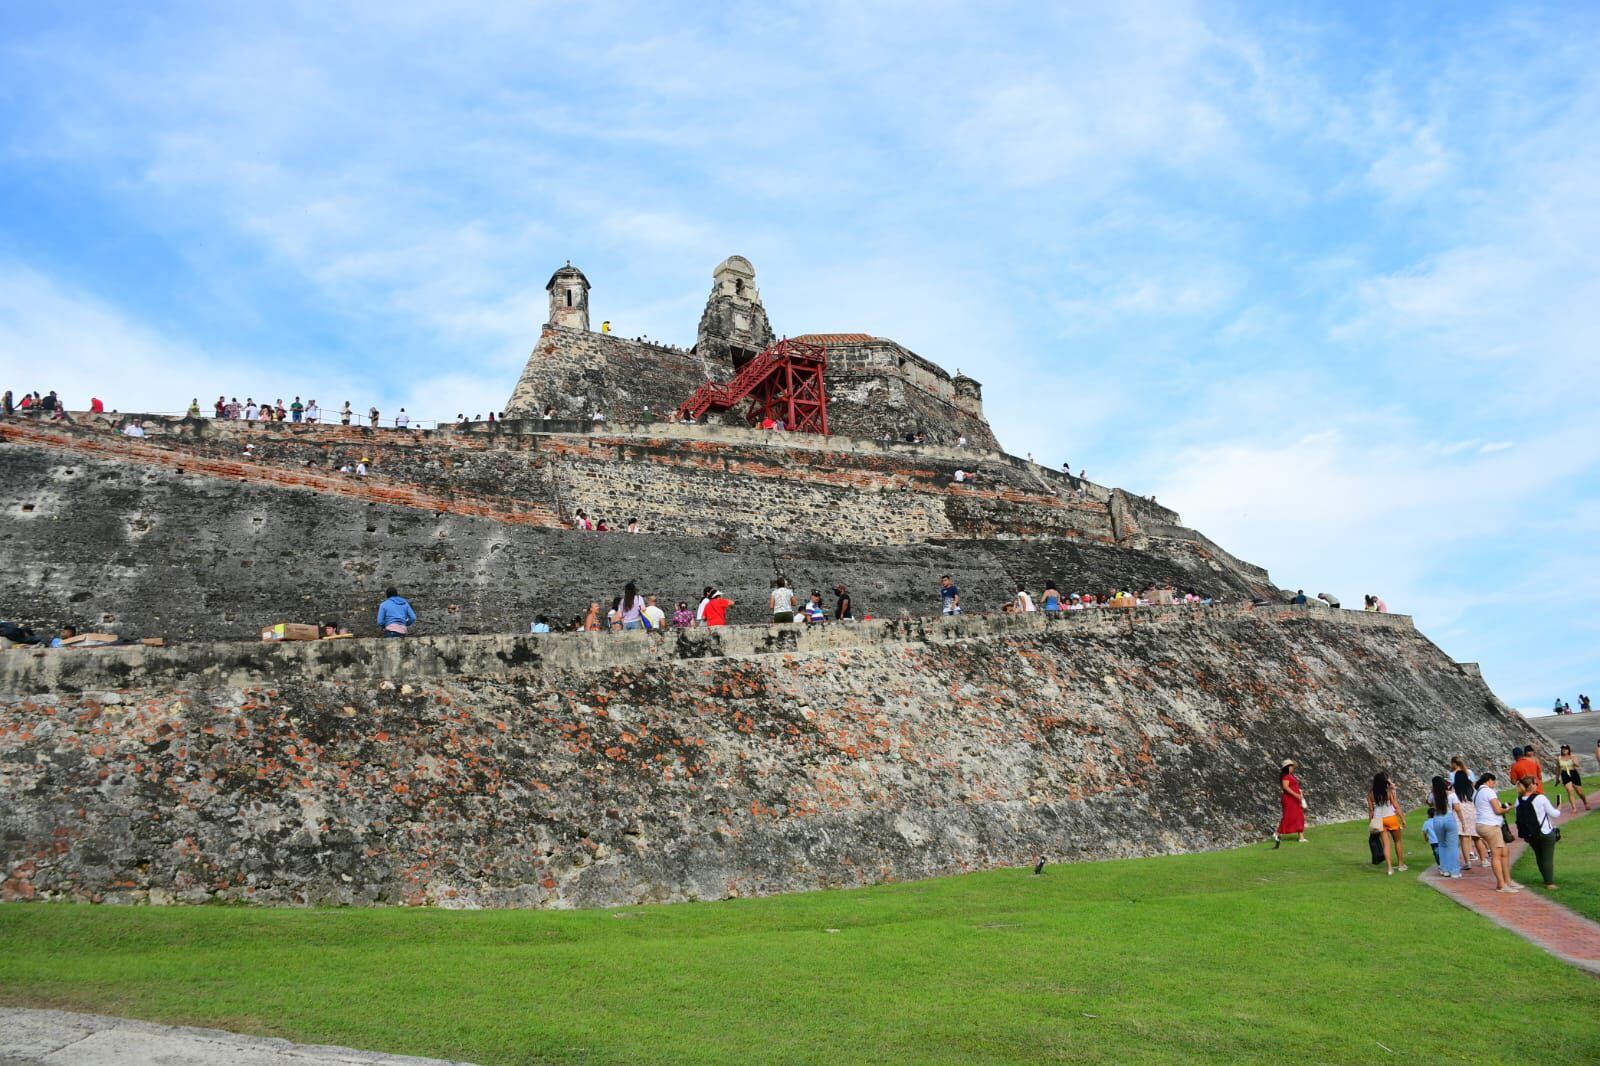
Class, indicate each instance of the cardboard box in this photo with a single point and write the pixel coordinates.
(89, 640)
(1161, 597)
(289, 631)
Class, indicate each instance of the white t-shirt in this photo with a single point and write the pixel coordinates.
(783, 600)
(1484, 808)
(133, 430)
(1546, 811)
(657, 616)
(1024, 602)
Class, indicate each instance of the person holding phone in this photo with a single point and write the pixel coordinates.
(1492, 831)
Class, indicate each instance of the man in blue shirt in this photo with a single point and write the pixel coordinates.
(949, 596)
(395, 616)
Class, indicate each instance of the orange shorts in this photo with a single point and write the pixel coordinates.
(1392, 823)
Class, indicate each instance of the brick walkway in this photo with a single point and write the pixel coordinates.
(1530, 914)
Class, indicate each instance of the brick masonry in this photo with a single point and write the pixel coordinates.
(579, 770)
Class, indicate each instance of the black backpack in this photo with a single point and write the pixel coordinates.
(1528, 820)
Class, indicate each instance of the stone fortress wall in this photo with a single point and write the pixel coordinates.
(586, 769)
(180, 535)
(595, 769)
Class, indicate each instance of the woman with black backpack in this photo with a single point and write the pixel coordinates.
(1536, 825)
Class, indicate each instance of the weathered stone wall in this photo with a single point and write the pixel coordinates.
(577, 373)
(576, 770)
(181, 536)
(879, 388)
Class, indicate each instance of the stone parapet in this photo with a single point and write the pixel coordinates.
(25, 671)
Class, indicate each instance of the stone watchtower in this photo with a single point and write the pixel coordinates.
(969, 394)
(569, 298)
(734, 327)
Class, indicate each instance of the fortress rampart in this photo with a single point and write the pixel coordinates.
(576, 770)
(182, 535)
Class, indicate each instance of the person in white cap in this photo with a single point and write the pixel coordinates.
(1293, 799)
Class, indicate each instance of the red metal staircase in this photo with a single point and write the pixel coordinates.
(786, 383)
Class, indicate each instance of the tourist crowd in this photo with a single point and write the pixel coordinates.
(1466, 823)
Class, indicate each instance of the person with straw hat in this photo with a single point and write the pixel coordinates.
(1293, 799)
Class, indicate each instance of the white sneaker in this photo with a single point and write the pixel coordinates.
(1404, 867)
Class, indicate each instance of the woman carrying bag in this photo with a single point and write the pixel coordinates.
(1536, 824)
(1385, 819)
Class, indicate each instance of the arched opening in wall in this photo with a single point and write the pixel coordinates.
(738, 286)
(569, 297)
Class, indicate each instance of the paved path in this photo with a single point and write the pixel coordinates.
(63, 1039)
(1530, 914)
(1580, 731)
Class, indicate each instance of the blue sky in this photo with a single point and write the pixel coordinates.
(1323, 279)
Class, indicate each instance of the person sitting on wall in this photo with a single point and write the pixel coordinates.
(133, 428)
(395, 616)
(633, 526)
(601, 527)
(66, 634)
(540, 624)
(815, 613)
(1299, 598)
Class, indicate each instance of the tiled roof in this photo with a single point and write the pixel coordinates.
(835, 338)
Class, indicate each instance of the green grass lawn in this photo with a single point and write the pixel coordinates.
(1307, 953)
(1577, 863)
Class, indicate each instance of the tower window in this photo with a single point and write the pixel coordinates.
(569, 297)
(738, 286)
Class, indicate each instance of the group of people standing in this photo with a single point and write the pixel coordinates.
(1466, 822)
(250, 411)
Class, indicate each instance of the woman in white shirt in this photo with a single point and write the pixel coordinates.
(1542, 818)
(1023, 602)
(781, 601)
(1491, 817)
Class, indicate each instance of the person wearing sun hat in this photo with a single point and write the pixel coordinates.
(1293, 799)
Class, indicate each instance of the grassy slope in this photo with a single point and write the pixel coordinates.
(1577, 863)
(1303, 953)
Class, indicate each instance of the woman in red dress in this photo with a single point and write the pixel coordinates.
(1294, 804)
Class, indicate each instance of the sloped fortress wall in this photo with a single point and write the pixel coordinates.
(578, 770)
(182, 536)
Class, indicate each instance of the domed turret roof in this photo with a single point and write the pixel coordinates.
(735, 264)
(567, 272)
